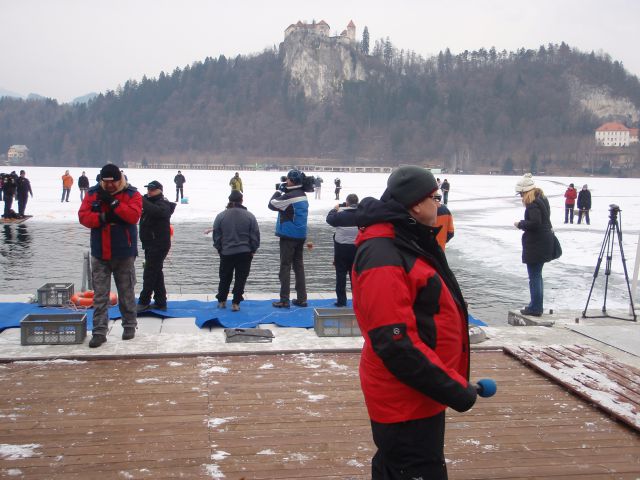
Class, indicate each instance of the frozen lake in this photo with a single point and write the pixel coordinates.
(485, 252)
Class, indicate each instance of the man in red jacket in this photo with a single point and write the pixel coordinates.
(111, 209)
(569, 203)
(415, 359)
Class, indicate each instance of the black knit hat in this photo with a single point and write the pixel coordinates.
(110, 172)
(410, 184)
(235, 196)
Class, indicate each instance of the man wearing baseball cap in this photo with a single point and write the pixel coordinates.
(155, 236)
(413, 317)
(111, 209)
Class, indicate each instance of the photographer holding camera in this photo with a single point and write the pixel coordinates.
(290, 201)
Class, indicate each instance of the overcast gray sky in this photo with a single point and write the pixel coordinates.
(67, 48)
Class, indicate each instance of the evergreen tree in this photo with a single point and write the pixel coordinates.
(364, 46)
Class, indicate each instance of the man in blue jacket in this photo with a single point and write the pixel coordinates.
(293, 208)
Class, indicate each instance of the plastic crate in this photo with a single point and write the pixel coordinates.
(335, 322)
(55, 294)
(53, 328)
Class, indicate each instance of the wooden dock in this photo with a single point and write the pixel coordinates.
(282, 416)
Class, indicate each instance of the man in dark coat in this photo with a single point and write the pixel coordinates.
(413, 317)
(179, 180)
(584, 204)
(236, 237)
(8, 191)
(155, 236)
(83, 185)
(445, 191)
(24, 190)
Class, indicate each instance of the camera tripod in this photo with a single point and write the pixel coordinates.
(613, 230)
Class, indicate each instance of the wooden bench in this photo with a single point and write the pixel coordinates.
(612, 386)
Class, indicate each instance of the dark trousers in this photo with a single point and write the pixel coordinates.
(343, 260)
(153, 278)
(22, 203)
(179, 193)
(409, 450)
(445, 196)
(291, 255)
(82, 192)
(8, 203)
(568, 213)
(65, 193)
(584, 212)
(240, 263)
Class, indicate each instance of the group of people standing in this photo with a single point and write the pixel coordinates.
(584, 204)
(13, 186)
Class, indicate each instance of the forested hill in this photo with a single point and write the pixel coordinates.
(480, 108)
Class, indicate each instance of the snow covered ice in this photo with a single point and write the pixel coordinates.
(485, 253)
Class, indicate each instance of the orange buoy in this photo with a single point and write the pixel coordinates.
(85, 299)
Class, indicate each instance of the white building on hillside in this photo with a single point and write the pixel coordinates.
(613, 134)
(17, 153)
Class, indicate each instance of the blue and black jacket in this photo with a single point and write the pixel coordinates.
(293, 209)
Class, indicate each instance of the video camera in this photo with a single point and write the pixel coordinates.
(281, 186)
(613, 211)
(308, 183)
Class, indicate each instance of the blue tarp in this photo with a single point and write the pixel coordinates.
(251, 314)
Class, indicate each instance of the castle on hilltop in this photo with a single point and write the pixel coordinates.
(322, 29)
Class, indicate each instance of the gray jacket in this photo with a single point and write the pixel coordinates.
(344, 219)
(235, 230)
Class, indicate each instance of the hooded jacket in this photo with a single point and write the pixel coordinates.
(570, 197)
(415, 359)
(115, 234)
(293, 209)
(155, 223)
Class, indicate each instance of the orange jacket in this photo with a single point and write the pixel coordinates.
(444, 220)
(67, 181)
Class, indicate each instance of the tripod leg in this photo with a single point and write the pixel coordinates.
(624, 267)
(603, 248)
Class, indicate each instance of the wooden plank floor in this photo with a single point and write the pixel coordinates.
(293, 416)
(593, 375)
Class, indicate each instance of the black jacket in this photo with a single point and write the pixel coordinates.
(83, 182)
(24, 187)
(155, 229)
(584, 200)
(179, 180)
(537, 239)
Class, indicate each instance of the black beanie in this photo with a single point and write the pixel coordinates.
(235, 196)
(410, 184)
(110, 172)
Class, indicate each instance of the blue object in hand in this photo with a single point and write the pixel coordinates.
(486, 387)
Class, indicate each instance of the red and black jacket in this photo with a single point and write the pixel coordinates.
(415, 359)
(117, 237)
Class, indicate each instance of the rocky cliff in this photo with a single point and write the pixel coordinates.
(601, 102)
(321, 65)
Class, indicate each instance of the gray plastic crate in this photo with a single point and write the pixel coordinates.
(53, 328)
(335, 322)
(55, 294)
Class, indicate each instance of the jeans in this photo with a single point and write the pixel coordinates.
(291, 255)
(65, 193)
(568, 213)
(536, 287)
(179, 193)
(584, 212)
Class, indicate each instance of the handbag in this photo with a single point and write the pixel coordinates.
(557, 248)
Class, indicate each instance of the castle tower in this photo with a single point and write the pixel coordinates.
(351, 31)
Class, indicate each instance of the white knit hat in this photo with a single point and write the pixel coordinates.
(525, 183)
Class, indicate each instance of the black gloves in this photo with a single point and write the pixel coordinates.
(104, 196)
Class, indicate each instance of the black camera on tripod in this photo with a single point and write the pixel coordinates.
(613, 211)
